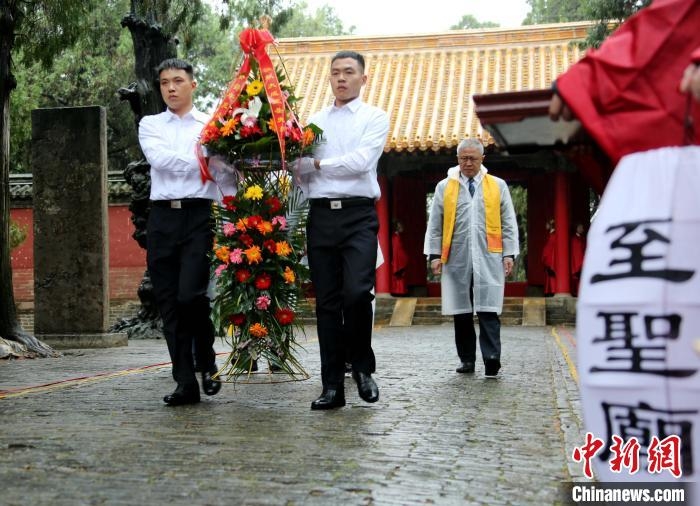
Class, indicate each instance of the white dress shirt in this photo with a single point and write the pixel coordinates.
(168, 142)
(353, 139)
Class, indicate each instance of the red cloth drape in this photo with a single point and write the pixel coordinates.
(626, 93)
(577, 250)
(399, 263)
(548, 259)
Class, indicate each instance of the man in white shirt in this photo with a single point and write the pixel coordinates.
(341, 184)
(179, 232)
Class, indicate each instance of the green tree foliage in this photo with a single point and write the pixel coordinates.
(18, 234)
(555, 11)
(86, 73)
(468, 22)
(610, 14)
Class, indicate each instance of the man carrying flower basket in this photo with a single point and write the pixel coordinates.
(340, 181)
(179, 231)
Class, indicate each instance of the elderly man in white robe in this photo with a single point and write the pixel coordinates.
(472, 242)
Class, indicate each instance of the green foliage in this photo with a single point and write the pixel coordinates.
(302, 24)
(45, 27)
(88, 73)
(518, 194)
(610, 14)
(555, 11)
(18, 234)
(468, 22)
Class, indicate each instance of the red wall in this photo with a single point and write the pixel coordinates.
(127, 261)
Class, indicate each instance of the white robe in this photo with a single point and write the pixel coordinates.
(469, 254)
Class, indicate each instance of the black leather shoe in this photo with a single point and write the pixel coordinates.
(366, 387)
(493, 365)
(181, 397)
(466, 368)
(329, 399)
(210, 386)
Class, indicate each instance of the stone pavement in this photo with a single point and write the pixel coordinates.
(434, 437)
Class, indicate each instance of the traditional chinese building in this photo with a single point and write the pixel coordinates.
(426, 83)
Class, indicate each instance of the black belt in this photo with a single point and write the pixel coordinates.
(181, 203)
(341, 203)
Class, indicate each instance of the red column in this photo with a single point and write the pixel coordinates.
(562, 226)
(383, 282)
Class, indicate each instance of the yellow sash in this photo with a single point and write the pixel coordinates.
(492, 209)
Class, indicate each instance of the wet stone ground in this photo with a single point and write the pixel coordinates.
(434, 437)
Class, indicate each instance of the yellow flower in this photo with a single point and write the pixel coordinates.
(253, 193)
(284, 185)
(254, 87)
(223, 253)
(253, 255)
(283, 249)
(288, 275)
(258, 330)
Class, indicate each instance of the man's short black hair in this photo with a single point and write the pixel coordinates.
(175, 63)
(350, 54)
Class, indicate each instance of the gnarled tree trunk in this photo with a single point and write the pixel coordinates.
(151, 46)
(10, 327)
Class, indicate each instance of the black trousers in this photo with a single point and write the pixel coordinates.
(342, 248)
(489, 334)
(178, 245)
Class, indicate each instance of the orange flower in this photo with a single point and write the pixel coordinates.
(229, 127)
(258, 330)
(283, 248)
(265, 227)
(211, 132)
(223, 253)
(253, 254)
(288, 275)
(308, 137)
(241, 225)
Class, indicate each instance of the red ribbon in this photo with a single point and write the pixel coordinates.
(253, 42)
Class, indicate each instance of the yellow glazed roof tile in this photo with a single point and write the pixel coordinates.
(425, 81)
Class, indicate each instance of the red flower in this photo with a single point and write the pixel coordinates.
(263, 281)
(270, 246)
(247, 240)
(237, 319)
(254, 221)
(274, 204)
(242, 275)
(250, 131)
(229, 202)
(284, 316)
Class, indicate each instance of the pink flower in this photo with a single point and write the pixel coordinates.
(236, 256)
(281, 221)
(229, 229)
(262, 302)
(221, 268)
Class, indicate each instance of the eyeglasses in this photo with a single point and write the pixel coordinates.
(472, 159)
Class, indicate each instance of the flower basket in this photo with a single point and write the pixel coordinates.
(258, 269)
(259, 243)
